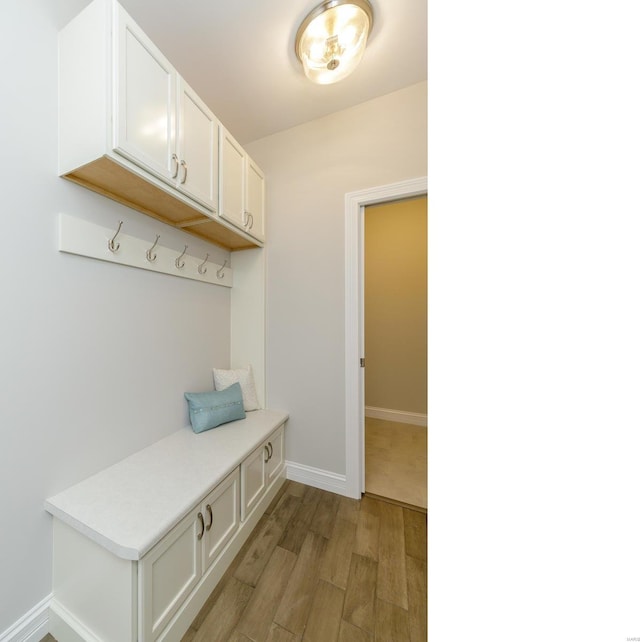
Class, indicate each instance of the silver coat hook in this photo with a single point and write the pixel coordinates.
(220, 272)
(152, 257)
(112, 245)
(178, 264)
(201, 268)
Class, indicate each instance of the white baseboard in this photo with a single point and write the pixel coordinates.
(32, 626)
(316, 477)
(413, 418)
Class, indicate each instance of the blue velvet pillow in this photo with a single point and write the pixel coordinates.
(210, 409)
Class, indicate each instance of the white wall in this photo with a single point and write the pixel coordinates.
(309, 170)
(95, 356)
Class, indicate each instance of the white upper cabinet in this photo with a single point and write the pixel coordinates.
(241, 188)
(144, 100)
(161, 123)
(254, 208)
(132, 129)
(232, 177)
(196, 160)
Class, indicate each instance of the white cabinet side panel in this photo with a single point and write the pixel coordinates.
(97, 588)
(248, 316)
(83, 48)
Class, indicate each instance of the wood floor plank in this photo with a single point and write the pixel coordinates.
(296, 488)
(368, 529)
(293, 611)
(349, 509)
(226, 612)
(415, 533)
(278, 634)
(323, 624)
(257, 556)
(274, 502)
(392, 622)
(325, 515)
(360, 596)
(238, 637)
(285, 509)
(350, 633)
(337, 558)
(417, 594)
(255, 559)
(392, 576)
(296, 530)
(187, 637)
(258, 615)
(312, 494)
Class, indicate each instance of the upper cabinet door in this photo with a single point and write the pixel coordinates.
(232, 187)
(144, 101)
(197, 148)
(254, 206)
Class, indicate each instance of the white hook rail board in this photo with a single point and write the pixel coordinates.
(78, 236)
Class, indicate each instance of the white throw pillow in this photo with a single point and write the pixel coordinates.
(244, 376)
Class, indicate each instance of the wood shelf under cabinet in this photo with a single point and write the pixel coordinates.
(110, 179)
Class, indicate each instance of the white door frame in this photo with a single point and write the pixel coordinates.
(355, 203)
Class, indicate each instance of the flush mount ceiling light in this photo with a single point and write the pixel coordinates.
(331, 39)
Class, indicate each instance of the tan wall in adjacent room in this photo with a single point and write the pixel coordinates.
(396, 305)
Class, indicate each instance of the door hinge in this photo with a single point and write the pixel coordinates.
(362, 362)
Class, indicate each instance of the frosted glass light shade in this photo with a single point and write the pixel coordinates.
(332, 38)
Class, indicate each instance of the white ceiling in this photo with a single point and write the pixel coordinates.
(239, 57)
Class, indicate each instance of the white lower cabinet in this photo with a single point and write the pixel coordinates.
(102, 592)
(259, 469)
(173, 568)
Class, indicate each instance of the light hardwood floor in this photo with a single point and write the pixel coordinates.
(323, 568)
(396, 461)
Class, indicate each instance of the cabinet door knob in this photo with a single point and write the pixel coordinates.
(210, 513)
(183, 164)
(174, 159)
(201, 520)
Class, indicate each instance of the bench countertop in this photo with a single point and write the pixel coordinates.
(132, 505)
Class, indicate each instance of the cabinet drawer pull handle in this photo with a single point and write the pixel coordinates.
(251, 217)
(267, 452)
(201, 520)
(183, 164)
(270, 445)
(210, 513)
(174, 159)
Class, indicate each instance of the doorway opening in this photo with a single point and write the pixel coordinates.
(355, 202)
(395, 337)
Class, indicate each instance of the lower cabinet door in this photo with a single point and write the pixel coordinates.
(253, 479)
(275, 445)
(167, 574)
(221, 517)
